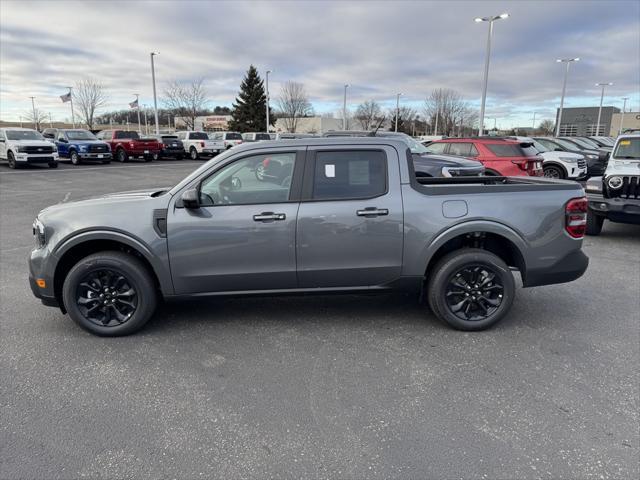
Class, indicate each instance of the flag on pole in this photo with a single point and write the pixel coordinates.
(66, 97)
(134, 104)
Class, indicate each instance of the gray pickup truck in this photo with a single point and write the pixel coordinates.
(349, 215)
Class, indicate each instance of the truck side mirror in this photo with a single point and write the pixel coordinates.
(190, 198)
(63, 140)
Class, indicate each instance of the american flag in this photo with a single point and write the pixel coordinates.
(134, 104)
(66, 97)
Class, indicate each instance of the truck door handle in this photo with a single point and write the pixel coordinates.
(372, 212)
(269, 217)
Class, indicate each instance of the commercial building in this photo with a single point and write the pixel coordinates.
(583, 121)
(630, 121)
(309, 124)
(209, 123)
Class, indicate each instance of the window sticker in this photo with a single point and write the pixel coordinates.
(330, 170)
(625, 142)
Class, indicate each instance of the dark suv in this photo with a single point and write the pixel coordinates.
(425, 164)
(171, 146)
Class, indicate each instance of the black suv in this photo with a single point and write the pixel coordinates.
(425, 163)
(171, 146)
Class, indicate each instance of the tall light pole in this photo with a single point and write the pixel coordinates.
(534, 120)
(35, 119)
(50, 121)
(155, 100)
(344, 108)
(486, 62)
(137, 95)
(435, 130)
(622, 115)
(397, 109)
(267, 93)
(603, 85)
(567, 62)
(73, 117)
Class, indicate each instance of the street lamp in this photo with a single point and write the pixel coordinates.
(603, 85)
(568, 62)
(35, 119)
(622, 116)
(155, 101)
(397, 109)
(534, 120)
(486, 62)
(267, 84)
(344, 107)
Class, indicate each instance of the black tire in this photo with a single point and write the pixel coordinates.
(179, 157)
(594, 223)
(53, 164)
(74, 157)
(121, 155)
(496, 291)
(155, 156)
(137, 279)
(147, 158)
(193, 153)
(12, 160)
(553, 171)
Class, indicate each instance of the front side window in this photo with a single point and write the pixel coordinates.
(258, 179)
(462, 149)
(350, 174)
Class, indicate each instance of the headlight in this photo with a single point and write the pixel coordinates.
(592, 156)
(55, 149)
(568, 159)
(614, 183)
(83, 148)
(39, 233)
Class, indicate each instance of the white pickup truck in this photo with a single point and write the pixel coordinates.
(198, 144)
(23, 146)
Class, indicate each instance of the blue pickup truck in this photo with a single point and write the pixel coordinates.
(78, 145)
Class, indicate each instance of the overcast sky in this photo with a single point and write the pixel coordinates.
(380, 48)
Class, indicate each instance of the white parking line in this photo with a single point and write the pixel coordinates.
(81, 169)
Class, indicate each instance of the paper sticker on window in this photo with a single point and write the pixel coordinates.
(330, 171)
(625, 142)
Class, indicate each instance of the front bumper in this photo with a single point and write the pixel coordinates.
(622, 210)
(95, 156)
(39, 269)
(36, 158)
(567, 269)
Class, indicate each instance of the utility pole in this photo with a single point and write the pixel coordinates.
(568, 62)
(155, 100)
(35, 119)
(534, 120)
(344, 108)
(50, 121)
(397, 109)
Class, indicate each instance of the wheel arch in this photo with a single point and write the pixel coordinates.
(87, 243)
(494, 237)
(555, 163)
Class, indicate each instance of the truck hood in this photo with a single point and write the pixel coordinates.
(86, 142)
(31, 143)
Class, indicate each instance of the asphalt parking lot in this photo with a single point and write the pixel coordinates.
(348, 386)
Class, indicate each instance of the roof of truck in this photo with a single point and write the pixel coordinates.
(319, 141)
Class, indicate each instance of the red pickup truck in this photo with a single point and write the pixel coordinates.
(128, 144)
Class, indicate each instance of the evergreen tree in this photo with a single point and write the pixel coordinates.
(249, 109)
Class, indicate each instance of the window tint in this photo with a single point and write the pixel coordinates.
(349, 174)
(198, 136)
(438, 147)
(234, 136)
(461, 149)
(124, 134)
(528, 150)
(258, 179)
(262, 136)
(505, 149)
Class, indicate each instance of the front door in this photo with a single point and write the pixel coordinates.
(350, 220)
(242, 237)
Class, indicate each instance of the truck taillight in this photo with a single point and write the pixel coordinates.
(522, 164)
(576, 217)
(131, 144)
(202, 144)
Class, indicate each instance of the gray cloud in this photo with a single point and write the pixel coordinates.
(380, 48)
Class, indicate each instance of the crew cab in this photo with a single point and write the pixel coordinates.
(230, 139)
(354, 218)
(78, 145)
(127, 144)
(24, 146)
(616, 195)
(500, 156)
(198, 144)
(558, 164)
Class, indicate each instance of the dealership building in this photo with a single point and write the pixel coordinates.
(583, 121)
(630, 121)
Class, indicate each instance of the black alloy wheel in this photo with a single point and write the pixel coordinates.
(474, 293)
(106, 297)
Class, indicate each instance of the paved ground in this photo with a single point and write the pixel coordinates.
(348, 386)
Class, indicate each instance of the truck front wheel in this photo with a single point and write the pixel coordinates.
(121, 155)
(75, 158)
(109, 293)
(470, 289)
(594, 223)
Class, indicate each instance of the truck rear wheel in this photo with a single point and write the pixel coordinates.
(193, 153)
(470, 289)
(109, 294)
(594, 223)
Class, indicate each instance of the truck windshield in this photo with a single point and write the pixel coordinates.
(628, 148)
(80, 135)
(23, 135)
(568, 145)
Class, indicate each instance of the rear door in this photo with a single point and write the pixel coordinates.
(350, 221)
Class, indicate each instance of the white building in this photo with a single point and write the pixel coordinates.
(210, 123)
(310, 125)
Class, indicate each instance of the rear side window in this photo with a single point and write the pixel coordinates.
(198, 136)
(528, 150)
(262, 136)
(463, 149)
(437, 147)
(350, 174)
(505, 149)
(234, 136)
(123, 134)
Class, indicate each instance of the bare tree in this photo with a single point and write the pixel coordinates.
(368, 114)
(38, 119)
(453, 113)
(547, 127)
(293, 104)
(406, 115)
(187, 101)
(89, 96)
